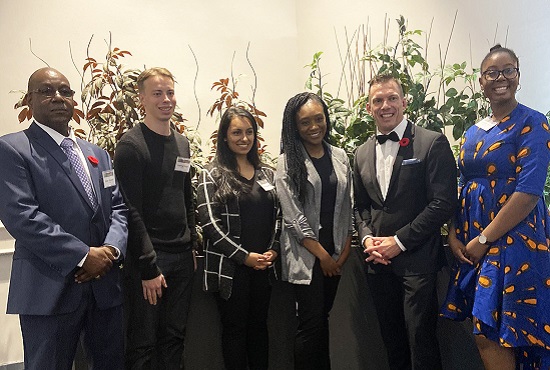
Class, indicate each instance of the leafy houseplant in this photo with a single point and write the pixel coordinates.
(110, 104)
(444, 96)
(230, 97)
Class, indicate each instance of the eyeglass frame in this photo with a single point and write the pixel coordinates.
(500, 72)
(55, 92)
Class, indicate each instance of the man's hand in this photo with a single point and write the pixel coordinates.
(152, 289)
(459, 250)
(381, 249)
(98, 262)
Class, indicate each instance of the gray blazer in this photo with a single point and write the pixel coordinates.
(302, 220)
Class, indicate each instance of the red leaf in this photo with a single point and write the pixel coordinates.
(23, 114)
(92, 113)
(97, 104)
(76, 118)
(79, 113)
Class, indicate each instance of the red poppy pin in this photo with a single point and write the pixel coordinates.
(93, 160)
(404, 142)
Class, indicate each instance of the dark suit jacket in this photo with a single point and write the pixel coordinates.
(43, 205)
(421, 198)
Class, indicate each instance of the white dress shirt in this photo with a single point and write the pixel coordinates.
(385, 158)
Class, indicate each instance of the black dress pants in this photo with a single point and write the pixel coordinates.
(244, 320)
(314, 302)
(407, 311)
(155, 334)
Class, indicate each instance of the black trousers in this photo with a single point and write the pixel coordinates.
(407, 311)
(155, 334)
(243, 316)
(314, 302)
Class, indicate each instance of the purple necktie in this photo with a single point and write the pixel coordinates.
(68, 148)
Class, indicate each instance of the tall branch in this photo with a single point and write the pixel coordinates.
(195, 86)
(32, 52)
(255, 76)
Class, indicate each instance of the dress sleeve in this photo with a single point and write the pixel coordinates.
(533, 154)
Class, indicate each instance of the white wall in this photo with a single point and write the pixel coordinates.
(284, 34)
(480, 24)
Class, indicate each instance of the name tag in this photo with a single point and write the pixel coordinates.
(108, 178)
(266, 185)
(486, 124)
(182, 164)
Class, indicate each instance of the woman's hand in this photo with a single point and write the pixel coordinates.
(475, 251)
(270, 255)
(329, 266)
(257, 261)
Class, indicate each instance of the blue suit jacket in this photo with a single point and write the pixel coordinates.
(43, 205)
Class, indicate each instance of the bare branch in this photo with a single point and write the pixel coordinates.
(195, 87)
(32, 52)
(233, 83)
(255, 76)
(74, 64)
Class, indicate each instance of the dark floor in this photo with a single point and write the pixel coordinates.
(355, 337)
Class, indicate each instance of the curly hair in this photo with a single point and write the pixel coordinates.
(291, 143)
(226, 174)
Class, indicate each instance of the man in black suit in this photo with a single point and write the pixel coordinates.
(405, 190)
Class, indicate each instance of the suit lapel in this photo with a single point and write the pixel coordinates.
(405, 152)
(371, 166)
(40, 137)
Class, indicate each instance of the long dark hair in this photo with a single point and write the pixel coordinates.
(225, 162)
(291, 143)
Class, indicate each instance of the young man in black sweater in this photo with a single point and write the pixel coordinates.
(152, 164)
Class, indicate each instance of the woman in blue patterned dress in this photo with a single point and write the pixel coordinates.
(500, 238)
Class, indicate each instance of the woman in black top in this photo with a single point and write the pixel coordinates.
(238, 211)
(314, 187)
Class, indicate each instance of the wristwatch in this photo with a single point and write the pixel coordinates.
(482, 239)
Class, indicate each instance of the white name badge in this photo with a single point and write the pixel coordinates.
(486, 124)
(266, 185)
(108, 178)
(182, 164)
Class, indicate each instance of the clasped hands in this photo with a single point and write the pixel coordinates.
(98, 262)
(260, 261)
(381, 249)
(471, 253)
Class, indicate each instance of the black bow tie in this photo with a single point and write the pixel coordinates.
(391, 136)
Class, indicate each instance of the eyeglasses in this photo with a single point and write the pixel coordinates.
(50, 92)
(508, 73)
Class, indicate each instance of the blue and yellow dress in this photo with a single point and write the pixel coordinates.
(508, 293)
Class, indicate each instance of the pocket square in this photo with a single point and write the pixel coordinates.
(410, 161)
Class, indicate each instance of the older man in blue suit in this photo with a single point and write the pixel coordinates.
(60, 201)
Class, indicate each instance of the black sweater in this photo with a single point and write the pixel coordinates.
(160, 198)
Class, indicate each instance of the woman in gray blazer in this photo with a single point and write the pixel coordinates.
(314, 185)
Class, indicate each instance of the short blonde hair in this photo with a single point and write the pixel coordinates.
(149, 72)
